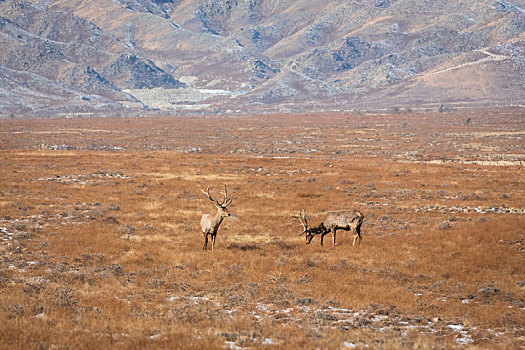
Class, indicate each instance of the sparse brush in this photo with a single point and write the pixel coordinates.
(117, 262)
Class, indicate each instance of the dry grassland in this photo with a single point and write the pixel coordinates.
(100, 244)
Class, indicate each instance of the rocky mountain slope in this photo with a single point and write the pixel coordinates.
(69, 56)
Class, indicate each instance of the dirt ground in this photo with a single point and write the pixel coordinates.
(101, 246)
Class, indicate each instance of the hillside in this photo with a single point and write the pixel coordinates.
(214, 56)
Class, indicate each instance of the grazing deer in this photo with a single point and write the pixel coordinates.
(210, 223)
(348, 220)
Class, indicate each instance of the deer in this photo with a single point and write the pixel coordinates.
(348, 220)
(210, 223)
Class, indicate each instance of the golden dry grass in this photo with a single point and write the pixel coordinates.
(101, 246)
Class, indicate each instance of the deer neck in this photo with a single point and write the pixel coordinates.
(217, 219)
(316, 230)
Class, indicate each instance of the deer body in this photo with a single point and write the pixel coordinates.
(347, 220)
(210, 223)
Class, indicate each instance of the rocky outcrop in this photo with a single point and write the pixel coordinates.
(130, 72)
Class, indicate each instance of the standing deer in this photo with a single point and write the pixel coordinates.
(348, 220)
(210, 223)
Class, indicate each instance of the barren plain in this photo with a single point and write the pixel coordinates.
(100, 244)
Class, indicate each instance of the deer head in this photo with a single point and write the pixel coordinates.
(221, 206)
(309, 231)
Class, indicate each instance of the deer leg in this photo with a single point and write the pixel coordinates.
(358, 231)
(213, 241)
(322, 236)
(205, 242)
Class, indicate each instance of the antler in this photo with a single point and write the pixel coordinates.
(302, 219)
(227, 200)
(207, 193)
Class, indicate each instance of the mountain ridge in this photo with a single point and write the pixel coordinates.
(266, 54)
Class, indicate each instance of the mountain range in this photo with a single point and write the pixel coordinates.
(75, 57)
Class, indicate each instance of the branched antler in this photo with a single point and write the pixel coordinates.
(225, 202)
(207, 193)
(302, 219)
